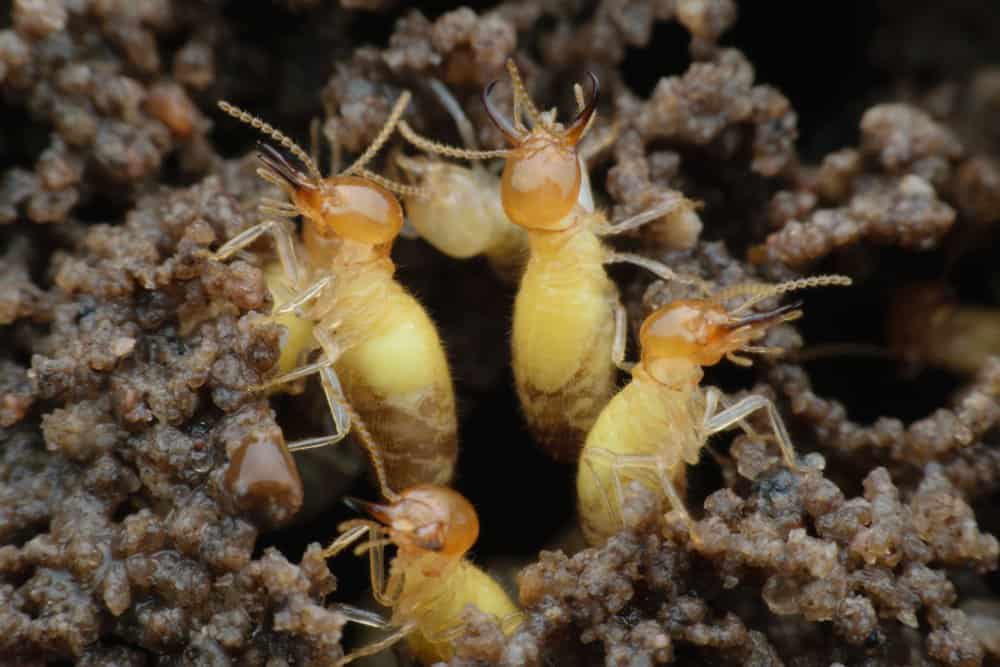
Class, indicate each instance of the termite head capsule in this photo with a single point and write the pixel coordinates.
(679, 338)
(348, 207)
(427, 518)
(541, 178)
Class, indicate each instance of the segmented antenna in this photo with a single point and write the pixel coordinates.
(521, 94)
(431, 146)
(760, 291)
(373, 450)
(270, 131)
(383, 135)
(392, 186)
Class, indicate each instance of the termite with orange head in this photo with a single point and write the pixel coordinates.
(661, 420)
(431, 581)
(567, 317)
(334, 290)
(458, 210)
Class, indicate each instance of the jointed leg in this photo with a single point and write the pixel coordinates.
(658, 268)
(665, 207)
(376, 647)
(619, 463)
(621, 339)
(284, 243)
(737, 413)
(713, 399)
(303, 297)
(340, 412)
(292, 376)
(364, 617)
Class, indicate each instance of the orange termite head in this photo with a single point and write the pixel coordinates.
(426, 518)
(681, 337)
(541, 178)
(348, 207)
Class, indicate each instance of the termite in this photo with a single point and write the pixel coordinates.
(335, 290)
(459, 211)
(431, 581)
(567, 316)
(926, 325)
(663, 417)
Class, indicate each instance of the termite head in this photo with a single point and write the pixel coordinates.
(348, 207)
(681, 337)
(356, 204)
(426, 518)
(542, 175)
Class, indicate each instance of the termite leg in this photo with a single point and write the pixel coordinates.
(338, 410)
(713, 399)
(330, 382)
(306, 295)
(659, 269)
(292, 376)
(649, 215)
(317, 442)
(376, 647)
(737, 413)
(609, 459)
(354, 531)
(619, 463)
(673, 497)
(283, 240)
(621, 339)
(364, 617)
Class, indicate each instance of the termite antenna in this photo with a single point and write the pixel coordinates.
(383, 135)
(431, 146)
(276, 134)
(393, 186)
(373, 450)
(521, 96)
(760, 291)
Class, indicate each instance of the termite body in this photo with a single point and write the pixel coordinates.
(430, 581)
(459, 210)
(335, 290)
(927, 325)
(567, 316)
(659, 423)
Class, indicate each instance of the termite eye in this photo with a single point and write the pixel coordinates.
(353, 208)
(540, 185)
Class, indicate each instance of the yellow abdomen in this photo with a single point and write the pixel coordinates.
(397, 378)
(645, 420)
(563, 333)
(441, 617)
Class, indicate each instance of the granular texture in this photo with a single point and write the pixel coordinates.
(130, 514)
(91, 75)
(149, 510)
